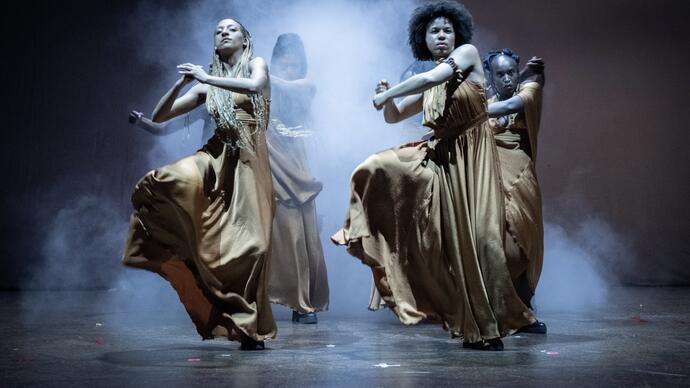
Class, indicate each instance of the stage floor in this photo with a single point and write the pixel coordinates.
(106, 338)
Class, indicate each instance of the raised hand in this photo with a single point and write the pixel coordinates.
(533, 68)
(382, 86)
(193, 71)
(380, 98)
(536, 64)
(135, 117)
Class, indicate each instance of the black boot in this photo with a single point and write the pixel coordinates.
(249, 343)
(537, 327)
(495, 345)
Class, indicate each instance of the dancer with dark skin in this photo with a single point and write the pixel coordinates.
(428, 217)
(204, 222)
(298, 277)
(515, 111)
(532, 72)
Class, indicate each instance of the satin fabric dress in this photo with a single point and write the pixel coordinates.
(298, 277)
(517, 151)
(428, 218)
(204, 224)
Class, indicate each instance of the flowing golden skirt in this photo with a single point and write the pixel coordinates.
(204, 224)
(525, 227)
(298, 277)
(428, 218)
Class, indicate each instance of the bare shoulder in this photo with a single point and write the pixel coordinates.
(467, 48)
(465, 51)
(258, 63)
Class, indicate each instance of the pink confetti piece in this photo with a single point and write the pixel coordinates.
(193, 359)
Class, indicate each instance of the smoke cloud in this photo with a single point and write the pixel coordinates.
(350, 46)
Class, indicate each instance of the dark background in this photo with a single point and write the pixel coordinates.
(612, 144)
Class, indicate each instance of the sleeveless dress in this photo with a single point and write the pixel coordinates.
(298, 277)
(517, 153)
(204, 224)
(428, 218)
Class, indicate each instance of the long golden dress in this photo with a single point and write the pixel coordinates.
(204, 224)
(428, 219)
(298, 277)
(517, 152)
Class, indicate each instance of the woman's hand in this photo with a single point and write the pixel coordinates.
(192, 71)
(185, 79)
(382, 86)
(135, 117)
(533, 67)
(380, 98)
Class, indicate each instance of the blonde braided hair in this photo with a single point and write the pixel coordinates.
(221, 106)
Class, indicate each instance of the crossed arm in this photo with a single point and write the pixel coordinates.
(170, 105)
(533, 72)
(468, 63)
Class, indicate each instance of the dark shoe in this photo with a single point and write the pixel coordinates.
(537, 327)
(495, 345)
(249, 343)
(308, 318)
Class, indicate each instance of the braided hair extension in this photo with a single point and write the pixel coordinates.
(220, 103)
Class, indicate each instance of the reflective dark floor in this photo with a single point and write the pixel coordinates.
(99, 338)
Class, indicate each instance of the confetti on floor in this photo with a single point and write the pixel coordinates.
(384, 365)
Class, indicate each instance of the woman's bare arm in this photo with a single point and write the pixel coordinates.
(159, 129)
(258, 83)
(465, 57)
(506, 107)
(170, 105)
(395, 112)
(299, 86)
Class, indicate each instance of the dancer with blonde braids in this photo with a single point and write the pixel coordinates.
(204, 222)
(298, 277)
